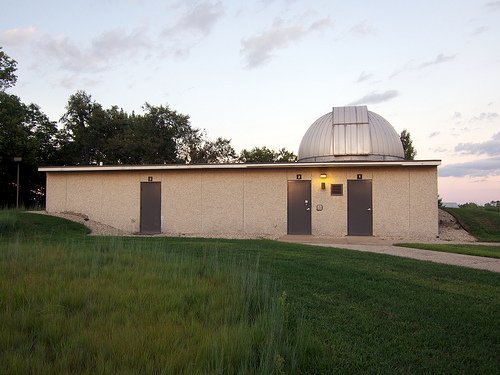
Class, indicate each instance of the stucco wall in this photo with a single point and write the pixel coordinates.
(250, 202)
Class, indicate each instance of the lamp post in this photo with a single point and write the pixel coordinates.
(18, 160)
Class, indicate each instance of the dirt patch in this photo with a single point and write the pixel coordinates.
(451, 230)
(96, 228)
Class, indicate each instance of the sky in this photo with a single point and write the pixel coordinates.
(261, 72)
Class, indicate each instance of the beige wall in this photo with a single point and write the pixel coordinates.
(250, 201)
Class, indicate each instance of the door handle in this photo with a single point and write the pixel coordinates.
(308, 209)
(368, 209)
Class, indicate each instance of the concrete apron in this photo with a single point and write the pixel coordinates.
(386, 246)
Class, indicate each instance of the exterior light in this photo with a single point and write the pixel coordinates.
(322, 175)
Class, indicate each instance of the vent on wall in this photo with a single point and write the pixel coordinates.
(336, 189)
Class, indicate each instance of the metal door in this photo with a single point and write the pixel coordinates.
(150, 207)
(299, 207)
(359, 208)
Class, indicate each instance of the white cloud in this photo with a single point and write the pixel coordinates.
(258, 50)
(200, 19)
(485, 116)
(490, 147)
(109, 47)
(441, 58)
(375, 97)
(494, 5)
(480, 30)
(363, 29)
(191, 27)
(477, 168)
(410, 65)
(18, 37)
(364, 76)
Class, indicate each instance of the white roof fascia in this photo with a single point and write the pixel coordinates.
(339, 164)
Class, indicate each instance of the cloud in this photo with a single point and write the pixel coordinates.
(478, 168)
(364, 76)
(433, 134)
(485, 116)
(480, 30)
(410, 65)
(495, 5)
(490, 147)
(439, 149)
(375, 97)
(200, 20)
(457, 115)
(363, 29)
(258, 50)
(17, 37)
(116, 42)
(441, 58)
(108, 47)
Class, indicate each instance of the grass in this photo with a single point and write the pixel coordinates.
(482, 224)
(468, 249)
(71, 303)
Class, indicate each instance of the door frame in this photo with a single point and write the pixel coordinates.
(370, 232)
(308, 230)
(141, 229)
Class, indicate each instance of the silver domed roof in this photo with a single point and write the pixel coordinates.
(350, 133)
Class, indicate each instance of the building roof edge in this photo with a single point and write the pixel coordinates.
(329, 164)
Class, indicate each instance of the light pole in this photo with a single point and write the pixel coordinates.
(18, 160)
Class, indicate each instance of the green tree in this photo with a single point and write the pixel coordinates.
(196, 148)
(8, 69)
(266, 155)
(82, 136)
(25, 132)
(407, 143)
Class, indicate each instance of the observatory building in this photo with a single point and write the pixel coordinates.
(351, 179)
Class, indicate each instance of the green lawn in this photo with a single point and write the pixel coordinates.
(468, 249)
(482, 224)
(76, 304)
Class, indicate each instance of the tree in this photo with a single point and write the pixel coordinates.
(492, 206)
(8, 69)
(25, 132)
(196, 148)
(160, 135)
(81, 139)
(266, 155)
(407, 143)
(285, 156)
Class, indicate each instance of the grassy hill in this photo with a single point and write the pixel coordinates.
(70, 303)
(482, 224)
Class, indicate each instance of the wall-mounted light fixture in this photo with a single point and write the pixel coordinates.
(322, 175)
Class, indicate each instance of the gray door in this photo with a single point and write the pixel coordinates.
(150, 207)
(359, 208)
(299, 207)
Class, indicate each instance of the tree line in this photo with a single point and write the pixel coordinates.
(89, 134)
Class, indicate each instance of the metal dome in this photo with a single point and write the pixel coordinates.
(350, 133)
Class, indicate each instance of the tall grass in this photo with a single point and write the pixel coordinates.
(133, 306)
(70, 303)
